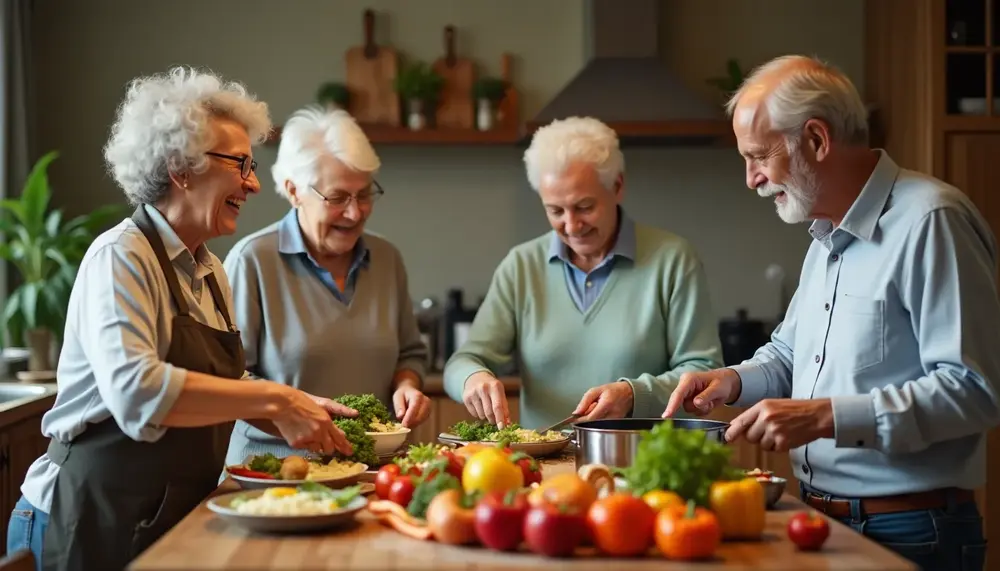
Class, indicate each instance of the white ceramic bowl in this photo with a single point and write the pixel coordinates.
(389, 442)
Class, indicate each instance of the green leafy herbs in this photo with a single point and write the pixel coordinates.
(484, 432)
(679, 460)
(369, 408)
(267, 463)
(364, 445)
(426, 489)
(342, 497)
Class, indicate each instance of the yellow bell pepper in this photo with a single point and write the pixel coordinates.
(740, 507)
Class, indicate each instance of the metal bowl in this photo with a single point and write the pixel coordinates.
(773, 489)
(614, 441)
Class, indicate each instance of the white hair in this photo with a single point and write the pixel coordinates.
(162, 126)
(810, 89)
(575, 139)
(313, 132)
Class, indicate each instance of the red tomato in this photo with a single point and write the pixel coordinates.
(401, 491)
(384, 478)
(808, 531)
(621, 525)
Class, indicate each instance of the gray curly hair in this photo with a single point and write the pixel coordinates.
(162, 127)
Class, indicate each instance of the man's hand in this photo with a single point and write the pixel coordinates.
(613, 400)
(699, 392)
(412, 406)
(782, 424)
(484, 398)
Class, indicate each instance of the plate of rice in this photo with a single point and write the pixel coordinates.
(518, 439)
(305, 508)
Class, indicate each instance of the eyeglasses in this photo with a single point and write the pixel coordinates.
(341, 199)
(247, 165)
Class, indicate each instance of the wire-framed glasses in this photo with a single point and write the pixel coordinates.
(341, 199)
(247, 165)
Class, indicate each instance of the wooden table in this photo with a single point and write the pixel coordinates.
(203, 541)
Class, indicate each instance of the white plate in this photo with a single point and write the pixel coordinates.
(534, 449)
(389, 442)
(283, 524)
(262, 483)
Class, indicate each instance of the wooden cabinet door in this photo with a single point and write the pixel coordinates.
(972, 163)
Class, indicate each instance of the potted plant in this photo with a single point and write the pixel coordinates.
(418, 85)
(333, 94)
(729, 83)
(46, 251)
(488, 93)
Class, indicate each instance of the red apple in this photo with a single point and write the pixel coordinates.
(500, 519)
(554, 531)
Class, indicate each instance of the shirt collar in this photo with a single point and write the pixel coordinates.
(291, 241)
(863, 216)
(624, 247)
(172, 242)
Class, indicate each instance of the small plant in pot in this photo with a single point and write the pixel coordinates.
(729, 83)
(418, 86)
(488, 93)
(333, 95)
(46, 252)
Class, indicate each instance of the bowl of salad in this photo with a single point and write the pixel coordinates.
(387, 434)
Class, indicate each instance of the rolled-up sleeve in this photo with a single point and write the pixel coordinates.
(949, 288)
(117, 332)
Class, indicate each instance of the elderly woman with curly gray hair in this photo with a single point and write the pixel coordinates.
(152, 366)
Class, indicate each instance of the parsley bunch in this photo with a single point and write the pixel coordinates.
(678, 460)
(364, 445)
(369, 408)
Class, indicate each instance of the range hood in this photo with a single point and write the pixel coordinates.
(626, 85)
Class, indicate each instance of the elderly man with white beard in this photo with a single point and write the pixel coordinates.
(882, 380)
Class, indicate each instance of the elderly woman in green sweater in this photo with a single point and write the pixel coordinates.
(602, 314)
(320, 302)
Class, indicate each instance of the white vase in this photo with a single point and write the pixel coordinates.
(415, 118)
(485, 115)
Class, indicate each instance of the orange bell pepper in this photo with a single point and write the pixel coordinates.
(740, 507)
(687, 533)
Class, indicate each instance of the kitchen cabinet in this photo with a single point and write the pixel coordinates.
(933, 74)
(21, 443)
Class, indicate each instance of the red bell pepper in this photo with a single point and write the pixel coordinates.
(248, 473)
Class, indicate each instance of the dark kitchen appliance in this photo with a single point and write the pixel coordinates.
(741, 337)
(457, 320)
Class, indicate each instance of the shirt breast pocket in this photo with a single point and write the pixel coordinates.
(860, 335)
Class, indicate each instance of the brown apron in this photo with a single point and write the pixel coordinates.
(114, 497)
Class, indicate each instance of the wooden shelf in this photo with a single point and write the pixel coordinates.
(971, 49)
(387, 135)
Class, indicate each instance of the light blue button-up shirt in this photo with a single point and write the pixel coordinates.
(291, 241)
(585, 287)
(896, 319)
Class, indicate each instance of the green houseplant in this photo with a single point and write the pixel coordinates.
(731, 81)
(333, 94)
(46, 251)
(419, 86)
(488, 93)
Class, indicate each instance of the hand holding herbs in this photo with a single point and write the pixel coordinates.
(680, 461)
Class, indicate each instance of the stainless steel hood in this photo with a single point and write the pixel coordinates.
(626, 85)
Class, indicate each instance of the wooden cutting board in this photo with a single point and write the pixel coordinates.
(456, 108)
(371, 69)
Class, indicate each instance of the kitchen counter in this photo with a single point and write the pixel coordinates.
(19, 401)
(204, 541)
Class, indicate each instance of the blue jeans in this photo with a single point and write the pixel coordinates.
(949, 538)
(26, 530)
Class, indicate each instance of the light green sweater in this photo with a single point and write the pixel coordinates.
(652, 322)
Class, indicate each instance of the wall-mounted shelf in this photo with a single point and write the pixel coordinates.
(388, 135)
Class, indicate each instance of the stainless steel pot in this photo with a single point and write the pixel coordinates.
(614, 441)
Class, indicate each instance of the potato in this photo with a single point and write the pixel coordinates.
(294, 468)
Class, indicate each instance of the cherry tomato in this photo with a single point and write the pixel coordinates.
(401, 491)
(384, 478)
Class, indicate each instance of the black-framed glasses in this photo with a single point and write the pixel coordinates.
(247, 165)
(341, 199)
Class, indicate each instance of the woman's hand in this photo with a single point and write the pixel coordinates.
(334, 408)
(412, 406)
(305, 424)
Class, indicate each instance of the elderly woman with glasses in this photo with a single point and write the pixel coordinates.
(321, 304)
(151, 364)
